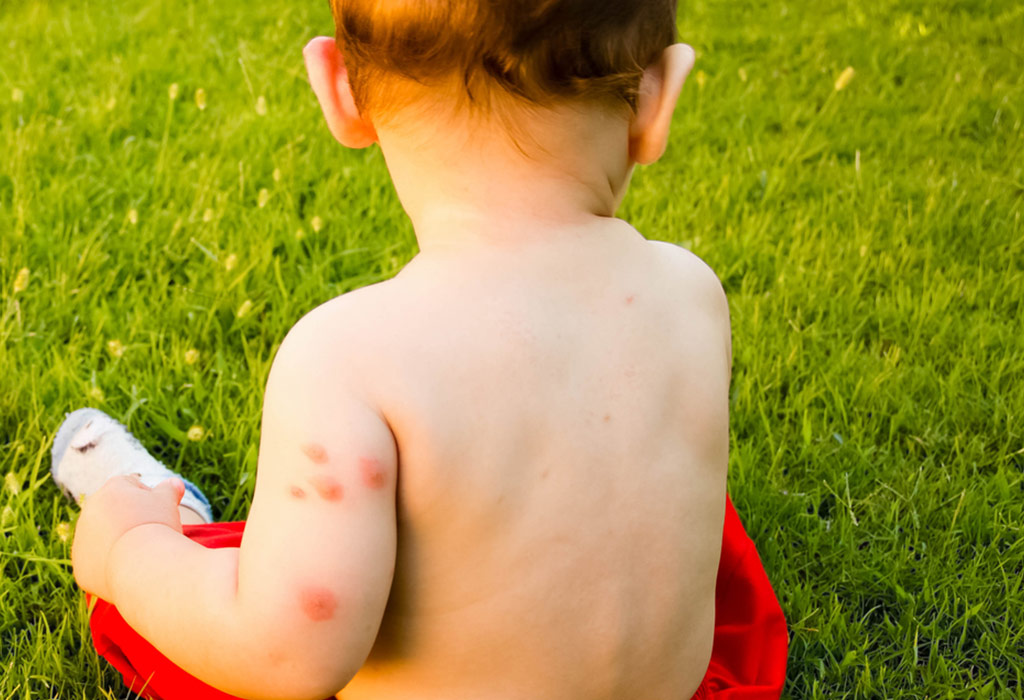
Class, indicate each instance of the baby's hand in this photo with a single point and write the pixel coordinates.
(120, 505)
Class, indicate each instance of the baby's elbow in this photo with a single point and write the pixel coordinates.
(305, 666)
(295, 661)
(316, 679)
(309, 686)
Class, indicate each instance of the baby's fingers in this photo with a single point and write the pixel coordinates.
(133, 480)
(171, 488)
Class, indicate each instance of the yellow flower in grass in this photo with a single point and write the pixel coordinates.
(21, 280)
(133, 216)
(208, 216)
(96, 394)
(262, 198)
(742, 72)
(12, 483)
(276, 175)
(191, 356)
(316, 224)
(261, 105)
(244, 309)
(195, 433)
(299, 234)
(201, 99)
(844, 78)
(172, 91)
(17, 95)
(905, 23)
(702, 79)
(231, 262)
(115, 347)
(63, 531)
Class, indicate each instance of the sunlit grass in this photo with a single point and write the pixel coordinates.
(170, 204)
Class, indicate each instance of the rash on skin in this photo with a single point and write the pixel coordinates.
(318, 604)
(316, 453)
(371, 473)
(327, 487)
(297, 492)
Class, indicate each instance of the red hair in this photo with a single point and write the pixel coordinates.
(486, 54)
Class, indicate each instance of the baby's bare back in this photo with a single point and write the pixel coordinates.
(561, 421)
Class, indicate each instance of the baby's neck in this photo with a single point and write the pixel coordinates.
(485, 193)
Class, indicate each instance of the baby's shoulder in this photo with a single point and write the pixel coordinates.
(691, 279)
(335, 342)
(340, 317)
(688, 267)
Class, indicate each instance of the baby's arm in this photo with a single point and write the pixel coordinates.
(294, 611)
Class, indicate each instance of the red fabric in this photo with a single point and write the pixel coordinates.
(748, 657)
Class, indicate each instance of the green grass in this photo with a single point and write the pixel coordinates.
(870, 240)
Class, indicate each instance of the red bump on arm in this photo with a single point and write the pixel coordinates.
(318, 604)
(316, 453)
(371, 473)
(297, 492)
(327, 487)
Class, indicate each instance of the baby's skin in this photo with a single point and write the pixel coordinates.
(563, 443)
(498, 476)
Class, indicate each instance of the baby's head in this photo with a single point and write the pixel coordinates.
(497, 64)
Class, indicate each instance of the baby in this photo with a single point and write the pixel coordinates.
(498, 476)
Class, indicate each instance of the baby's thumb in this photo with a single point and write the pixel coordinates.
(173, 487)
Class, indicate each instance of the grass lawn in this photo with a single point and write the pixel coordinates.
(154, 249)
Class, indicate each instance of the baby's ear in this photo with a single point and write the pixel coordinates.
(659, 91)
(329, 78)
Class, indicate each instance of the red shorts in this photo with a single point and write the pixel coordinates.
(748, 658)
